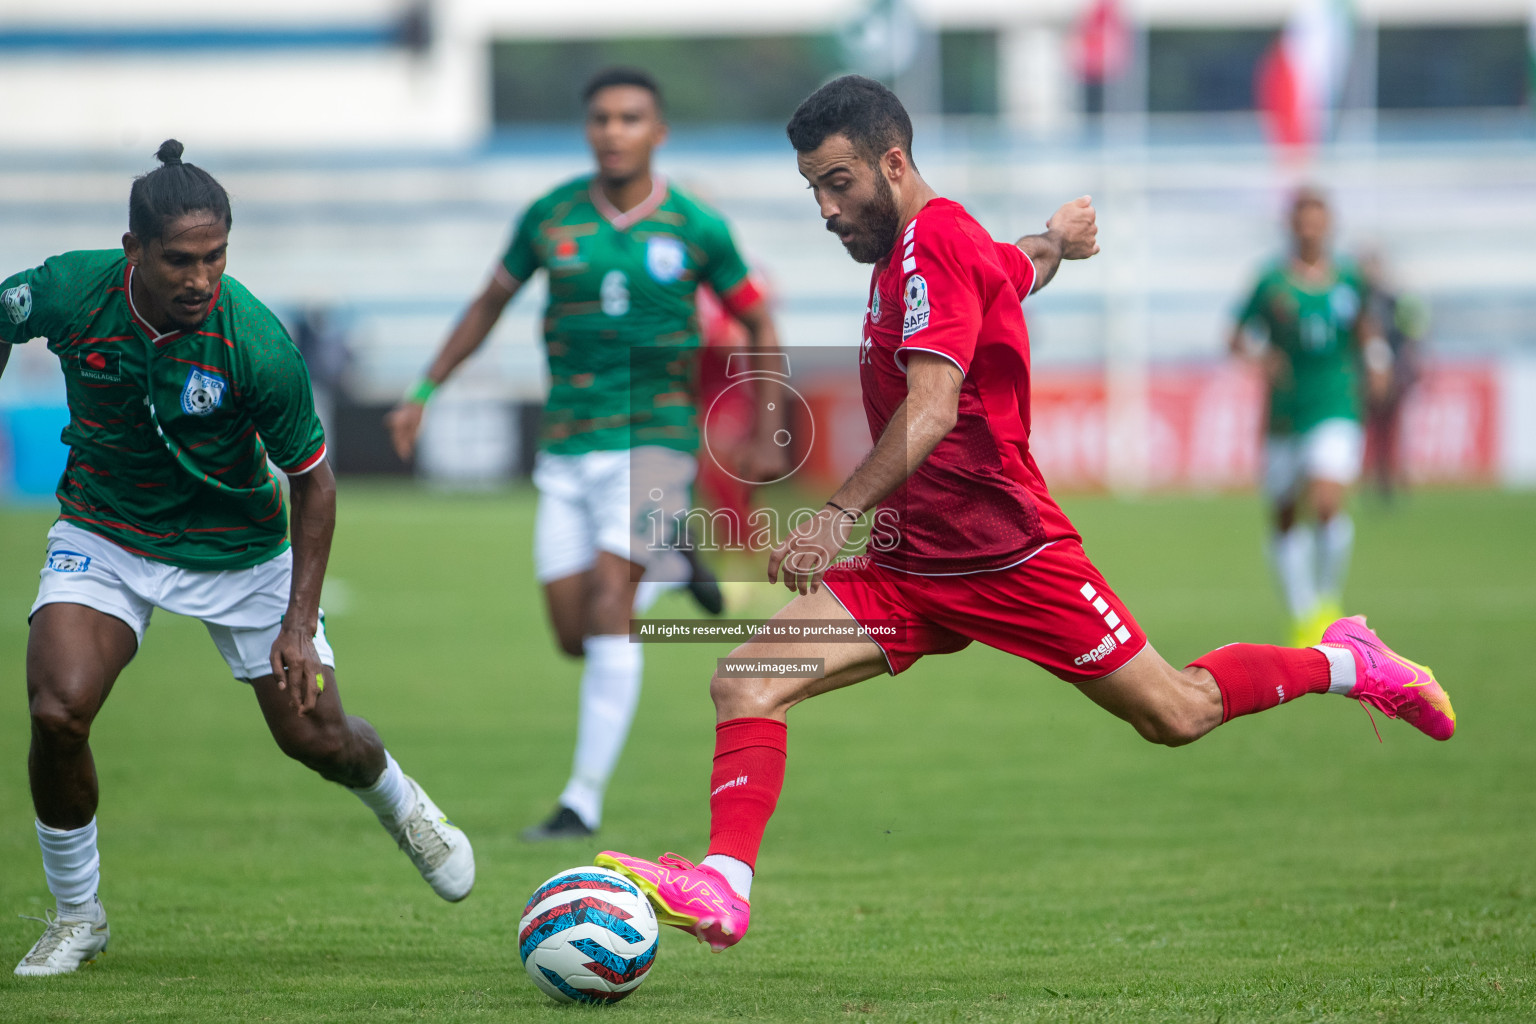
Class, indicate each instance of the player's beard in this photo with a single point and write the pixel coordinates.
(872, 240)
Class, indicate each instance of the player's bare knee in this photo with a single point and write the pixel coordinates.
(312, 744)
(59, 721)
(745, 697)
(608, 614)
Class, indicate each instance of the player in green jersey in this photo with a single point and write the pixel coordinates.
(181, 387)
(1310, 311)
(624, 251)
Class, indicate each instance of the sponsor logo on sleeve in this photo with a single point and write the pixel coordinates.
(1106, 647)
(99, 365)
(203, 394)
(17, 302)
(915, 296)
(664, 258)
(68, 561)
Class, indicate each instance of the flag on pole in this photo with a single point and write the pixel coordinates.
(1298, 80)
(1101, 41)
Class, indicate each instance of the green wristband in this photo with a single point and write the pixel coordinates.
(421, 391)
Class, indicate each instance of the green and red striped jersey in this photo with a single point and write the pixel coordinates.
(169, 433)
(621, 327)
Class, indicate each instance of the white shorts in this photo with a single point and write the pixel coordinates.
(241, 608)
(621, 502)
(1332, 451)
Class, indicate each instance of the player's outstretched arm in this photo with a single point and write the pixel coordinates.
(921, 421)
(1070, 234)
(404, 421)
(5, 356)
(312, 522)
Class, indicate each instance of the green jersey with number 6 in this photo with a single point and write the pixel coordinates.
(621, 326)
(1315, 327)
(169, 433)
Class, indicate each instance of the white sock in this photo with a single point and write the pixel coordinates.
(390, 796)
(1293, 554)
(649, 590)
(610, 691)
(737, 872)
(1341, 668)
(72, 865)
(1336, 540)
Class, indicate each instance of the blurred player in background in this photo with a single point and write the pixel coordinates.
(968, 543)
(625, 252)
(1404, 323)
(181, 386)
(1310, 310)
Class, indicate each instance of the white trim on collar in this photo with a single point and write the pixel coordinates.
(623, 220)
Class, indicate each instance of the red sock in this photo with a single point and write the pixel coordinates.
(1257, 677)
(744, 787)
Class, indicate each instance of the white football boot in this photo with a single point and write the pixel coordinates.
(439, 848)
(66, 944)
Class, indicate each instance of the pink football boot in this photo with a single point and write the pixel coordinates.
(695, 898)
(1392, 684)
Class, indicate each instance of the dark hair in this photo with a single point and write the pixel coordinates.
(860, 108)
(1308, 195)
(609, 77)
(170, 191)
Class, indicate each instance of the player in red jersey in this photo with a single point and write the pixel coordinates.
(967, 543)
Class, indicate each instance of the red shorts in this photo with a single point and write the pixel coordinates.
(1054, 608)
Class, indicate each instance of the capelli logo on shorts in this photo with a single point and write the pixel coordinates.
(68, 561)
(1099, 653)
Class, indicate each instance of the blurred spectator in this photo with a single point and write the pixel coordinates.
(323, 344)
(1404, 324)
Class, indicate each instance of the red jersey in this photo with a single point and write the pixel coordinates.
(977, 503)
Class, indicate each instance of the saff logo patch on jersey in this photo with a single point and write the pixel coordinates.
(664, 258)
(203, 394)
(17, 302)
(915, 296)
(874, 307)
(99, 365)
(68, 561)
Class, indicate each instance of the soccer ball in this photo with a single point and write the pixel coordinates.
(588, 935)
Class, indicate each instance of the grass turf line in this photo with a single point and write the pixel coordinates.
(971, 841)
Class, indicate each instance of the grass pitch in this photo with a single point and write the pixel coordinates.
(971, 841)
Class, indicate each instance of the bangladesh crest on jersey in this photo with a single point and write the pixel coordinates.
(203, 394)
(664, 258)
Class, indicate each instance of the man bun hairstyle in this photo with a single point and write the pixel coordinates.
(173, 190)
(609, 77)
(861, 109)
